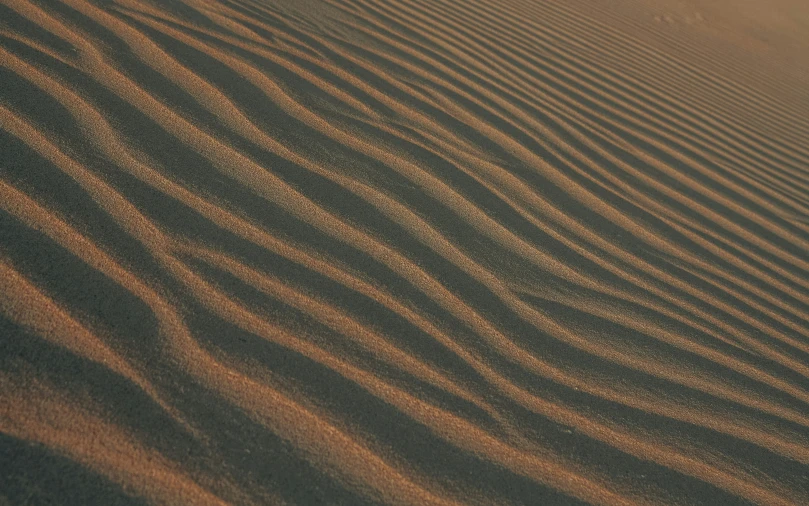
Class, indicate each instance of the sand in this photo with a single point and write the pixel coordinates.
(404, 252)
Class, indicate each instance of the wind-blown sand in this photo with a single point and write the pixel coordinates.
(404, 251)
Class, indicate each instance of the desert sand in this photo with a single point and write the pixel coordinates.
(404, 252)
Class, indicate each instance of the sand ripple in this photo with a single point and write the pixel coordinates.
(405, 252)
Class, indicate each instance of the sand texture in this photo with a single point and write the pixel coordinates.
(404, 252)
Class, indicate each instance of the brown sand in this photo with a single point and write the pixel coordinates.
(404, 252)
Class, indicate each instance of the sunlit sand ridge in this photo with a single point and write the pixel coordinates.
(404, 252)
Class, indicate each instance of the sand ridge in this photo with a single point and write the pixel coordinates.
(404, 252)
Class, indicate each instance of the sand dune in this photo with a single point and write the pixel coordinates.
(404, 252)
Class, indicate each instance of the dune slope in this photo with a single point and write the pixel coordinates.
(404, 252)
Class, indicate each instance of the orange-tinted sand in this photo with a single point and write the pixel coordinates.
(404, 252)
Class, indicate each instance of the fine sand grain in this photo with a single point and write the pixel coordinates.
(404, 252)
